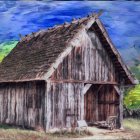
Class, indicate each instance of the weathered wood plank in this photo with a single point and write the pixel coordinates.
(16, 98)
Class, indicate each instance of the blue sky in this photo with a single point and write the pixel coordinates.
(121, 18)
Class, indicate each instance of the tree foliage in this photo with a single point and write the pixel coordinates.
(132, 98)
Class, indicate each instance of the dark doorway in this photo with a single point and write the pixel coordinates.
(100, 101)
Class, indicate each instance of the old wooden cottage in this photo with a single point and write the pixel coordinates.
(70, 72)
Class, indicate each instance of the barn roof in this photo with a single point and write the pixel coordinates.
(35, 54)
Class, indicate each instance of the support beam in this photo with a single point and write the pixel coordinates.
(121, 110)
(84, 81)
(121, 107)
(86, 88)
(117, 89)
(120, 93)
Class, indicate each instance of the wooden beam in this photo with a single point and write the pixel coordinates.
(121, 104)
(108, 102)
(120, 93)
(84, 81)
(86, 88)
(121, 109)
(117, 89)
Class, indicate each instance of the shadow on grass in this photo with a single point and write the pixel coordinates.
(10, 126)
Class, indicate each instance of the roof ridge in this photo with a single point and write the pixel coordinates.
(52, 41)
(28, 37)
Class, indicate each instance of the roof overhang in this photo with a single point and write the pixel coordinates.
(99, 28)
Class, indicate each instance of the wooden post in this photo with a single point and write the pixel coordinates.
(121, 106)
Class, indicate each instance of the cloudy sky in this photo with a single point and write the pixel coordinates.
(122, 19)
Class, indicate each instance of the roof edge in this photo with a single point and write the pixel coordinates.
(115, 51)
(69, 48)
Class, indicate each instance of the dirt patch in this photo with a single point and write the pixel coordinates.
(104, 134)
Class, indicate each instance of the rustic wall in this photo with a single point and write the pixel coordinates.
(60, 101)
(22, 103)
(64, 104)
(67, 103)
(88, 61)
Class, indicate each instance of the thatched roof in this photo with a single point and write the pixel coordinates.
(35, 53)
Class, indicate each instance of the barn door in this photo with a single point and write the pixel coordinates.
(90, 105)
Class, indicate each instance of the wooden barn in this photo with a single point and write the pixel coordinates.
(70, 72)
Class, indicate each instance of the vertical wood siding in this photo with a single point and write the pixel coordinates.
(64, 104)
(59, 103)
(108, 102)
(99, 104)
(22, 104)
(88, 61)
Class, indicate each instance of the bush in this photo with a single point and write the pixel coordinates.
(132, 98)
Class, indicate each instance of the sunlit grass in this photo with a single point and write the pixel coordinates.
(132, 127)
(12, 133)
(132, 124)
(15, 133)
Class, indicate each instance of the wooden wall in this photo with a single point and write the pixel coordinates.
(88, 61)
(65, 104)
(22, 103)
(59, 103)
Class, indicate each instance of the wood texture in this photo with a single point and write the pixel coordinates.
(22, 104)
(108, 102)
(87, 62)
(64, 104)
(59, 101)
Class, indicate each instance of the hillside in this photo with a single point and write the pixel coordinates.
(5, 48)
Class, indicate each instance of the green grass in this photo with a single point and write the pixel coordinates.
(132, 124)
(132, 129)
(15, 133)
(12, 133)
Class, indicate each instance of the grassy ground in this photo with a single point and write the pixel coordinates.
(132, 131)
(14, 133)
(132, 124)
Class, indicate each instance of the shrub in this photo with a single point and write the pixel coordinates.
(132, 98)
